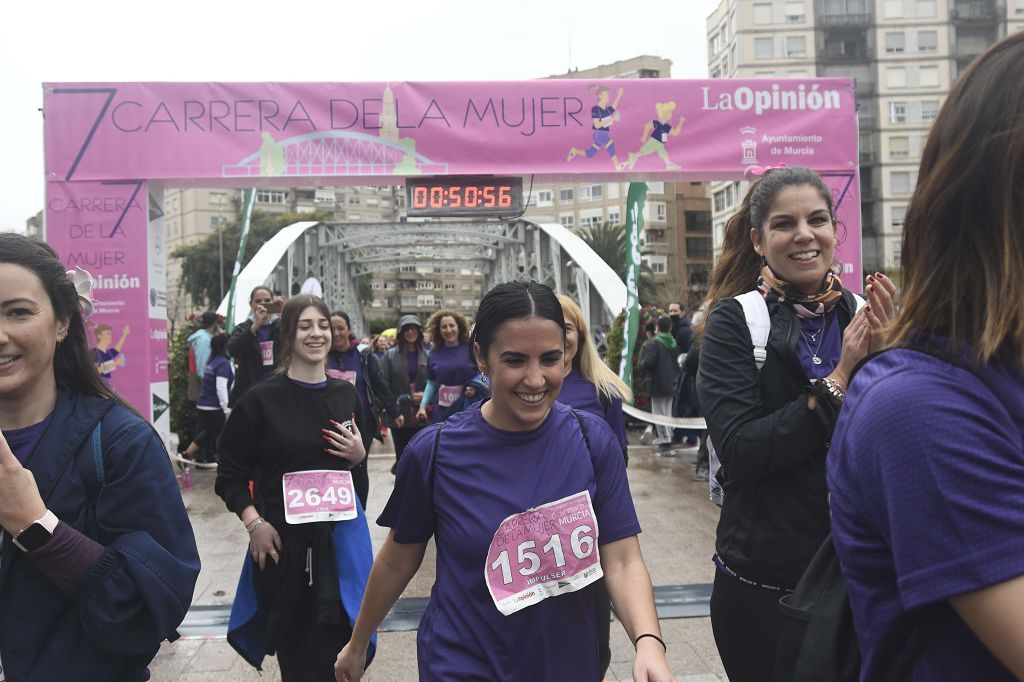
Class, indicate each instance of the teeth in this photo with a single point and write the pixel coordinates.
(531, 398)
(806, 255)
(4, 359)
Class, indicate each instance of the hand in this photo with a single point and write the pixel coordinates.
(856, 343)
(260, 317)
(345, 444)
(421, 414)
(399, 421)
(650, 664)
(20, 502)
(126, 331)
(264, 542)
(880, 308)
(119, 361)
(351, 663)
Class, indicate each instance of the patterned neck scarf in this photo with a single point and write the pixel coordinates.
(806, 306)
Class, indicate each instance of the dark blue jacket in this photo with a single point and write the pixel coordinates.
(109, 626)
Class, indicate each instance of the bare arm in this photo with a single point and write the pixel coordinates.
(996, 615)
(392, 570)
(629, 586)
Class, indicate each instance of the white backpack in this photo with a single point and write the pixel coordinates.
(755, 311)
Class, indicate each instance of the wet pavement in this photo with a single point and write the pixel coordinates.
(677, 542)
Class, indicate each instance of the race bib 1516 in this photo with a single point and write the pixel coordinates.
(318, 495)
(543, 552)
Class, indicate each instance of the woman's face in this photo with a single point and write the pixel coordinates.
(572, 337)
(312, 337)
(410, 334)
(449, 330)
(382, 343)
(798, 238)
(525, 363)
(340, 328)
(29, 330)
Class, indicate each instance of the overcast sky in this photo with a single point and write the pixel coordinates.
(311, 40)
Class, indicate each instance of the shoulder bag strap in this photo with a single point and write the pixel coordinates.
(755, 311)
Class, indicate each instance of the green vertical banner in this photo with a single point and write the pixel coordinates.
(249, 200)
(634, 223)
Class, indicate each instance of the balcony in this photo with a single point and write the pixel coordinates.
(974, 12)
(845, 52)
(846, 19)
(867, 158)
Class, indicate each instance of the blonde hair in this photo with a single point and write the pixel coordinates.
(587, 361)
(665, 108)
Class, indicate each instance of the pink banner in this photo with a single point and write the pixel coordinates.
(103, 228)
(238, 133)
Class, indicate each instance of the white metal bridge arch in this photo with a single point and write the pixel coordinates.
(336, 254)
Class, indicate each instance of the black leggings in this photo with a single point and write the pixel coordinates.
(746, 621)
(210, 424)
(401, 437)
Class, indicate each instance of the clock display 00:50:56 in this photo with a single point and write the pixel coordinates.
(470, 196)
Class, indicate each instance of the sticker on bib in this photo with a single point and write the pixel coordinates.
(318, 495)
(543, 552)
(447, 395)
(267, 353)
(350, 377)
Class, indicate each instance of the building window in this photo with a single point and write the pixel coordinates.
(698, 221)
(565, 194)
(899, 146)
(897, 217)
(354, 200)
(927, 41)
(407, 268)
(566, 220)
(794, 12)
(591, 192)
(218, 220)
(720, 200)
(926, 8)
(796, 46)
(387, 285)
(764, 48)
(449, 286)
(613, 216)
(425, 285)
(928, 76)
(270, 196)
(902, 182)
(762, 13)
(698, 248)
(893, 9)
(896, 77)
(929, 109)
(544, 197)
(660, 212)
(894, 42)
(897, 112)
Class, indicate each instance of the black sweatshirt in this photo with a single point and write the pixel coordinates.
(276, 428)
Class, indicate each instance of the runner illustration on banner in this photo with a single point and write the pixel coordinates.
(656, 134)
(603, 116)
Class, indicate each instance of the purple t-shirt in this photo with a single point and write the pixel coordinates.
(449, 366)
(349, 361)
(481, 476)
(217, 367)
(926, 478)
(21, 441)
(581, 394)
(828, 350)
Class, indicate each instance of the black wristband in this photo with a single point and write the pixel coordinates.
(652, 636)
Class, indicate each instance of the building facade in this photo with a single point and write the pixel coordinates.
(903, 55)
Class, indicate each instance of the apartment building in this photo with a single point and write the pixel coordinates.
(665, 241)
(903, 55)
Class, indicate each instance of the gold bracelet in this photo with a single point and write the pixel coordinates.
(254, 525)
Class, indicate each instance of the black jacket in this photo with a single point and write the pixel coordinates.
(772, 447)
(398, 381)
(661, 365)
(244, 349)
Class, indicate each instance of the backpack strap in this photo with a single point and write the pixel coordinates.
(95, 475)
(583, 428)
(755, 311)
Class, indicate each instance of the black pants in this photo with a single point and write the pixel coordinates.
(210, 424)
(746, 621)
(401, 437)
(603, 623)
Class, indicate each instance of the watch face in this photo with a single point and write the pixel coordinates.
(33, 537)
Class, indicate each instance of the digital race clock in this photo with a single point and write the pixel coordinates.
(464, 196)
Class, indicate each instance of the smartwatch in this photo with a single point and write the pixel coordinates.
(36, 534)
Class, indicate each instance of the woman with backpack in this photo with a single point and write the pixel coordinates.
(771, 424)
(528, 503)
(98, 562)
(926, 471)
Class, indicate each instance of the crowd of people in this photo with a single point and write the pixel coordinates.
(886, 426)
